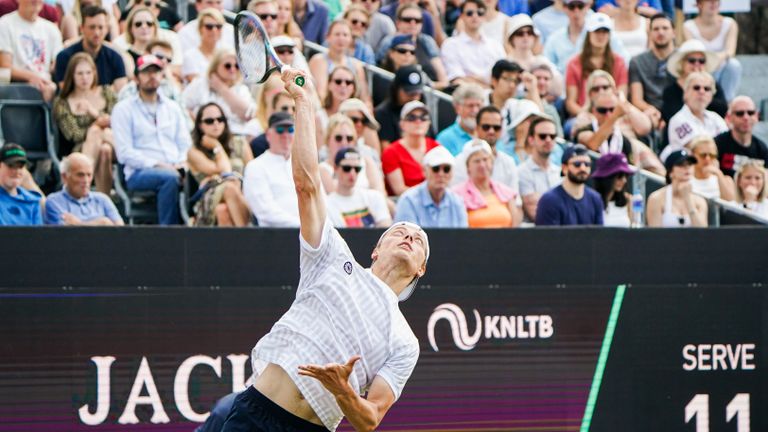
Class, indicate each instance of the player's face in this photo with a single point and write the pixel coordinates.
(408, 243)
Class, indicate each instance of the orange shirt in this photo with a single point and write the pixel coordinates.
(494, 215)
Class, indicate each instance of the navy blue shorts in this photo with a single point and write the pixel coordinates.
(254, 412)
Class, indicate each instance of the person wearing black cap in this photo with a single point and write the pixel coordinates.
(572, 202)
(407, 86)
(675, 205)
(355, 207)
(18, 206)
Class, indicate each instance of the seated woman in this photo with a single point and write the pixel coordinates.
(631, 28)
(216, 160)
(210, 23)
(675, 205)
(489, 204)
(522, 39)
(366, 127)
(341, 133)
(166, 16)
(358, 19)
(82, 113)
(708, 181)
(611, 176)
(142, 29)
(750, 191)
(286, 25)
(342, 85)
(339, 39)
(222, 83)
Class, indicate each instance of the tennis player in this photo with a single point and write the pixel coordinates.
(344, 336)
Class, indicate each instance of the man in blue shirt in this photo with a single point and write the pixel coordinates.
(312, 17)
(151, 140)
(572, 203)
(431, 204)
(467, 101)
(109, 63)
(76, 204)
(18, 206)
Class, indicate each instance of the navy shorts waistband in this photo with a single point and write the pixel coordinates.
(281, 413)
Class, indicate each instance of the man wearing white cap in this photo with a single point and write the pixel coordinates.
(310, 373)
(431, 204)
(518, 130)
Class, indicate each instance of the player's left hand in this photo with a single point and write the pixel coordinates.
(333, 376)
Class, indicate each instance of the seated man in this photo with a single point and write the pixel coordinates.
(76, 204)
(268, 185)
(28, 46)
(737, 146)
(351, 207)
(109, 63)
(467, 101)
(152, 139)
(538, 173)
(18, 206)
(432, 204)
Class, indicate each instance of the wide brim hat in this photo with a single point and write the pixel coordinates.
(355, 104)
(690, 46)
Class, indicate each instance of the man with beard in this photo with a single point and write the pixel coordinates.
(572, 203)
(467, 101)
(648, 71)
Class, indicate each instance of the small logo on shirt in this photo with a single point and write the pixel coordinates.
(348, 267)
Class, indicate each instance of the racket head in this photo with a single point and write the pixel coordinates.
(255, 54)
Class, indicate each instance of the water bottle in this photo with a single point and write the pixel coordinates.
(638, 210)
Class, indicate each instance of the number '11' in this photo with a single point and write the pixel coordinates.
(738, 407)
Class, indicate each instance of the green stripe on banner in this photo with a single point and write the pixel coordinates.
(604, 350)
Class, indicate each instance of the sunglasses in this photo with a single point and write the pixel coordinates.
(339, 81)
(700, 88)
(573, 6)
(416, 117)
(264, 17)
(357, 120)
(349, 168)
(444, 168)
(598, 88)
(694, 60)
(213, 26)
(284, 129)
(138, 24)
(487, 127)
(405, 51)
(229, 66)
(740, 113)
(604, 110)
(471, 13)
(579, 164)
(343, 138)
(544, 136)
(411, 20)
(211, 120)
(284, 50)
(522, 33)
(705, 155)
(161, 57)
(361, 23)
(287, 108)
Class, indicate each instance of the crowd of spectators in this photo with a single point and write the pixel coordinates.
(535, 91)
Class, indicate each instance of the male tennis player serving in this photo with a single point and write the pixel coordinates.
(344, 334)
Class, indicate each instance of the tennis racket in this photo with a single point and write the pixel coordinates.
(255, 55)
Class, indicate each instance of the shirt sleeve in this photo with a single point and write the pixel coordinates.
(406, 211)
(122, 128)
(312, 261)
(620, 71)
(430, 46)
(377, 204)
(53, 212)
(547, 211)
(6, 38)
(451, 60)
(598, 205)
(389, 161)
(62, 59)
(398, 368)
(634, 71)
(572, 72)
(110, 211)
(260, 200)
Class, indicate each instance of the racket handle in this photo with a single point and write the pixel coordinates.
(299, 80)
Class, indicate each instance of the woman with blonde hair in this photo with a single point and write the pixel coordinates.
(210, 23)
(142, 28)
(708, 181)
(82, 113)
(321, 65)
(287, 25)
(750, 187)
(359, 20)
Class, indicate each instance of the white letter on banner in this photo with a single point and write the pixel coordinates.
(238, 371)
(181, 385)
(103, 365)
(144, 378)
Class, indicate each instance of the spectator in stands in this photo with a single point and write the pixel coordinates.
(217, 160)
(506, 76)
(750, 191)
(268, 12)
(28, 45)
(109, 62)
(407, 86)
(76, 204)
(18, 206)
(538, 173)
(600, 130)
(74, 16)
(523, 39)
(630, 26)
(489, 129)
(644, 8)
(152, 139)
(288, 52)
(409, 22)
(432, 25)
(648, 71)
(708, 180)
(402, 160)
(379, 26)
(366, 128)
(611, 180)
(469, 57)
(572, 202)
(48, 12)
(312, 17)
(675, 205)
(82, 112)
(525, 113)
(166, 16)
(358, 19)
(322, 64)
(170, 87)
(342, 85)
(596, 54)
(350, 205)
(551, 102)
(552, 18)
(694, 119)
(431, 204)
(497, 20)
(401, 52)
(341, 134)
(738, 146)
(142, 30)
(279, 100)
(719, 35)
(268, 184)
(286, 25)
(189, 35)
(197, 59)
(467, 101)
(692, 56)
(489, 203)
(222, 83)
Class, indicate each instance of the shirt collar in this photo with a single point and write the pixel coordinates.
(68, 196)
(426, 197)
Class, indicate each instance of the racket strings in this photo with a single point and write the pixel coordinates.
(251, 54)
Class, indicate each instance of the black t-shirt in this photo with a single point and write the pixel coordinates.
(673, 101)
(733, 155)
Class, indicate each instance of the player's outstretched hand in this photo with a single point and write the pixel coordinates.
(290, 75)
(333, 376)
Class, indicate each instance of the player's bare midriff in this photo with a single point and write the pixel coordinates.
(277, 385)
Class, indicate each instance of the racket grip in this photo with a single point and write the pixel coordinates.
(299, 80)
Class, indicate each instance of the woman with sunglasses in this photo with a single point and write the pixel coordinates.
(210, 24)
(321, 65)
(708, 180)
(366, 128)
(166, 16)
(143, 28)
(342, 85)
(341, 133)
(216, 160)
(523, 40)
(222, 83)
(675, 205)
(611, 181)
(286, 25)
(358, 19)
(750, 190)
(489, 204)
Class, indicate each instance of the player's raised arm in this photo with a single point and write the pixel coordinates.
(304, 159)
